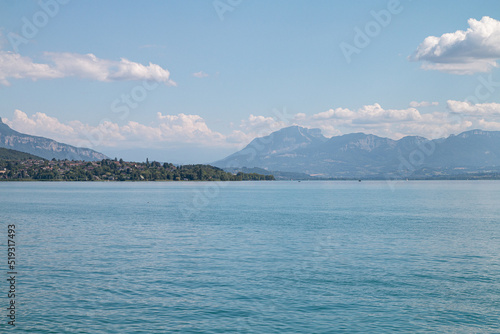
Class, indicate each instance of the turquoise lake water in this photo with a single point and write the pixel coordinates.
(254, 257)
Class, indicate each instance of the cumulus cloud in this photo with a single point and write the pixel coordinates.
(260, 126)
(166, 130)
(174, 130)
(478, 110)
(392, 123)
(200, 74)
(488, 125)
(13, 65)
(88, 66)
(373, 119)
(423, 104)
(40, 124)
(187, 128)
(462, 52)
(338, 113)
(255, 126)
(368, 114)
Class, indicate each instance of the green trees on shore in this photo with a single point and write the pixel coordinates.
(114, 170)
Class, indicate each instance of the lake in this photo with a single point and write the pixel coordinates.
(253, 257)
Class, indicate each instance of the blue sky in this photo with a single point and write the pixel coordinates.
(220, 73)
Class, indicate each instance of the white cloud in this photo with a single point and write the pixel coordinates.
(40, 124)
(488, 125)
(261, 124)
(422, 104)
(167, 130)
(300, 116)
(200, 74)
(373, 119)
(477, 110)
(13, 65)
(462, 52)
(187, 128)
(253, 127)
(376, 114)
(368, 114)
(88, 66)
(392, 123)
(339, 113)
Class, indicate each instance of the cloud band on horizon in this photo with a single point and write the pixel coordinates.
(168, 130)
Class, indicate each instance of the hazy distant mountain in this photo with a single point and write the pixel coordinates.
(44, 147)
(278, 149)
(358, 155)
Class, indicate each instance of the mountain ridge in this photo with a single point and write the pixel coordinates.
(44, 147)
(360, 155)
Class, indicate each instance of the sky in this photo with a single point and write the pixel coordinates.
(194, 81)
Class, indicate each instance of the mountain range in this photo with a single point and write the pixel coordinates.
(44, 147)
(298, 152)
(359, 155)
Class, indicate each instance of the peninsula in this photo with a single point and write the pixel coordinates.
(33, 169)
